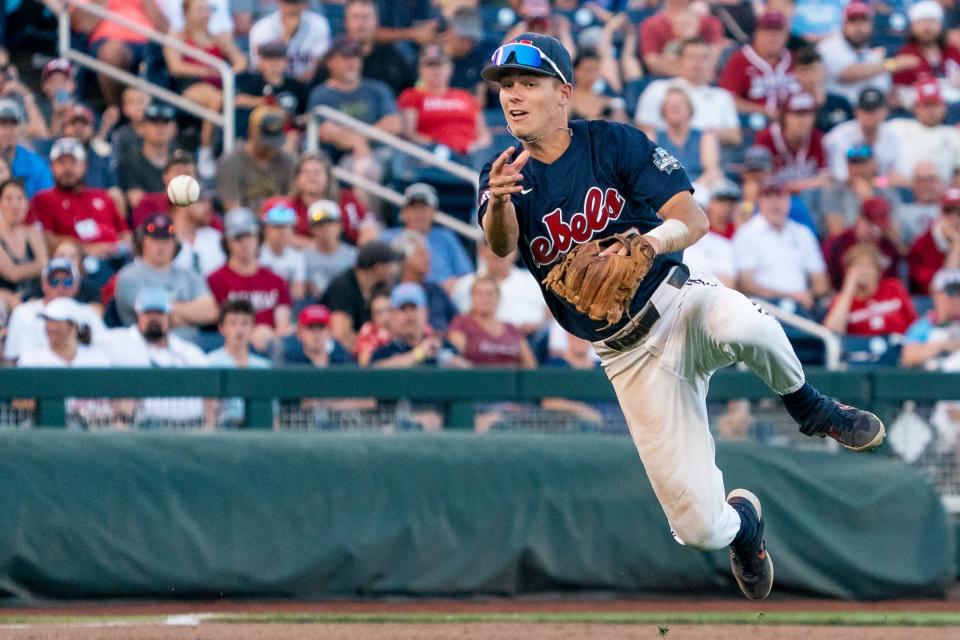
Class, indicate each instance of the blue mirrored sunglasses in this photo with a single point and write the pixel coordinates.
(526, 55)
(860, 152)
(56, 282)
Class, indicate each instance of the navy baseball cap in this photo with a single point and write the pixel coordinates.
(531, 53)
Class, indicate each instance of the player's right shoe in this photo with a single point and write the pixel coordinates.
(751, 563)
(854, 428)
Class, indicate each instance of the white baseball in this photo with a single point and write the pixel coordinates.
(183, 190)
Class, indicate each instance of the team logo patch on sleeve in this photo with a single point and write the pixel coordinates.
(664, 161)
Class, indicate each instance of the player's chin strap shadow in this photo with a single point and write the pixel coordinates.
(538, 138)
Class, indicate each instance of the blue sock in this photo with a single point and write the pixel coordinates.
(802, 403)
(750, 534)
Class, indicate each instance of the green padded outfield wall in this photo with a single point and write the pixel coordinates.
(313, 515)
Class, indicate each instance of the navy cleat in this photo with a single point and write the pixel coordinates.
(854, 428)
(751, 563)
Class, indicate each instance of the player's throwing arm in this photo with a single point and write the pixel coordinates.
(500, 224)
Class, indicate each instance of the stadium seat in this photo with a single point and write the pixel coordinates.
(872, 351)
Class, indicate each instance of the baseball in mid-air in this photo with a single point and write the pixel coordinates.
(183, 190)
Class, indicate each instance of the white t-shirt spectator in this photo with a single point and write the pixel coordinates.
(521, 301)
(838, 54)
(714, 254)
(847, 135)
(26, 330)
(917, 143)
(290, 265)
(221, 20)
(713, 107)
(45, 357)
(558, 340)
(204, 255)
(780, 260)
(308, 44)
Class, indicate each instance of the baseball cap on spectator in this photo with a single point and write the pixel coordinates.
(773, 187)
(273, 49)
(772, 21)
(871, 99)
(433, 54)
(531, 53)
(726, 190)
(62, 310)
(800, 102)
(950, 198)
(278, 212)
(859, 153)
(60, 264)
(68, 147)
(323, 211)
(408, 293)
(268, 121)
(925, 10)
(702, 195)
(947, 281)
(10, 111)
(467, 23)
(420, 192)
(152, 299)
(857, 10)
(376, 252)
(159, 112)
(928, 91)
(239, 222)
(757, 158)
(80, 112)
(57, 65)
(876, 211)
(346, 47)
(314, 315)
(157, 225)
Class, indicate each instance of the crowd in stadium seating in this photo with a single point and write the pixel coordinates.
(822, 138)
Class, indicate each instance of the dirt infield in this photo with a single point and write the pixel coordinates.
(486, 631)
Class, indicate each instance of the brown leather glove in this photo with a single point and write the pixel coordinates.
(602, 287)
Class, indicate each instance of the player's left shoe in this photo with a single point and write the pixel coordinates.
(854, 428)
(751, 563)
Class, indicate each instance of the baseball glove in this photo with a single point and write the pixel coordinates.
(602, 286)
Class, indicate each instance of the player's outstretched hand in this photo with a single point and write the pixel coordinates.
(505, 176)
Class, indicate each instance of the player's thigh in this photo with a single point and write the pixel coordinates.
(731, 322)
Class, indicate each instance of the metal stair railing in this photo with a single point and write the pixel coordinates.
(831, 343)
(225, 119)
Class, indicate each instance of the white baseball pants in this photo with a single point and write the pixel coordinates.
(661, 384)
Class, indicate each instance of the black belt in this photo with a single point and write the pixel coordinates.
(647, 317)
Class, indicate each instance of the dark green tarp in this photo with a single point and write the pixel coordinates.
(311, 515)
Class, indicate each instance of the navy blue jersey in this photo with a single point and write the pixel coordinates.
(610, 179)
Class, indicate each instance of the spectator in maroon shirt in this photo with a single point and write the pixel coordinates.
(243, 277)
(70, 209)
(661, 33)
(799, 159)
(482, 339)
(927, 42)
(312, 182)
(939, 246)
(867, 303)
(874, 226)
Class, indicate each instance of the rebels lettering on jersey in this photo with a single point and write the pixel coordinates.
(610, 179)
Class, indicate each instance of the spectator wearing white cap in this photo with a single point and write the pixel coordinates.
(61, 279)
(926, 137)
(328, 256)
(935, 338)
(71, 210)
(713, 252)
(149, 342)
(937, 58)
(278, 253)
(68, 339)
(24, 164)
(852, 64)
(448, 258)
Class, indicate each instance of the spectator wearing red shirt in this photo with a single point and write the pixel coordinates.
(71, 210)
(433, 113)
(868, 304)
(799, 160)
(939, 246)
(661, 33)
(873, 226)
(243, 277)
(760, 74)
(927, 42)
(312, 182)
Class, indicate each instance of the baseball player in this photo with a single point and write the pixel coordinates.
(601, 216)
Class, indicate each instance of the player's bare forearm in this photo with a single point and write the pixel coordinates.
(500, 227)
(689, 224)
